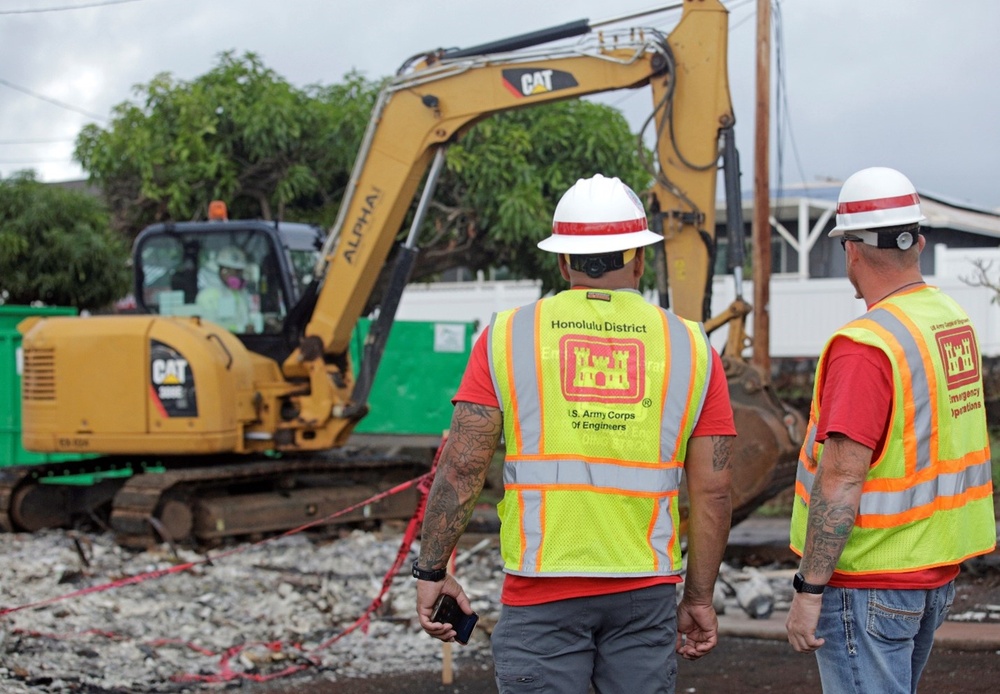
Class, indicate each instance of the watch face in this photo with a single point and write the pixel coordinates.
(800, 586)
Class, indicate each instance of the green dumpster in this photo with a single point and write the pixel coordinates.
(421, 368)
(11, 451)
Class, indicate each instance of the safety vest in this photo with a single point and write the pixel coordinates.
(928, 497)
(600, 392)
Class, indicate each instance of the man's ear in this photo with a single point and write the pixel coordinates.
(564, 266)
(640, 265)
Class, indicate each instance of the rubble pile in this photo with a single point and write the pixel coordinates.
(244, 613)
(280, 600)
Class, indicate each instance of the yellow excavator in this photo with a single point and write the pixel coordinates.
(197, 428)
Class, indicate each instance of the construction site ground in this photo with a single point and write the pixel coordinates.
(753, 654)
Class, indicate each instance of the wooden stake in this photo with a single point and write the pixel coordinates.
(447, 671)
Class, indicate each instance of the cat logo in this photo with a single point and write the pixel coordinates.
(169, 371)
(171, 382)
(523, 82)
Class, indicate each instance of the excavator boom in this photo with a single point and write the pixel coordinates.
(235, 400)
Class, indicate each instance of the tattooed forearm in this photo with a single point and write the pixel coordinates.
(830, 525)
(468, 452)
(833, 504)
(722, 452)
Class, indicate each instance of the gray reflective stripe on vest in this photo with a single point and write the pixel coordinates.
(920, 394)
(489, 356)
(681, 371)
(531, 513)
(884, 503)
(525, 379)
(949, 484)
(653, 479)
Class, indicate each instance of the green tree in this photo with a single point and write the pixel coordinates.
(56, 247)
(243, 134)
(239, 133)
(506, 175)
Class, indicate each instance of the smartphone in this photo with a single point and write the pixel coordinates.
(447, 611)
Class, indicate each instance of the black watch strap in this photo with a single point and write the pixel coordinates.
(428, 574)
(800, 586)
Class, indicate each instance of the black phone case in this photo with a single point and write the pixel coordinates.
(447, 611)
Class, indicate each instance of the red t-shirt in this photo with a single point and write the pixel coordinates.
(716, 420)
(856, 402)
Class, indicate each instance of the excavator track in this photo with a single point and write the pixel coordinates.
(199, 505)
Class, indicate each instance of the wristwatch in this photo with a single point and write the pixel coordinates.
(800, 586)
(428, 574)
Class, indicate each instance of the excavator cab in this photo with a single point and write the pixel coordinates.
(245, 275)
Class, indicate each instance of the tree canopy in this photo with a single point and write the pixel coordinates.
(57, 247)
(243, 134)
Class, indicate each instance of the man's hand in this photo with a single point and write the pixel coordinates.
(697, 630)
(802, 620)
(427, 595)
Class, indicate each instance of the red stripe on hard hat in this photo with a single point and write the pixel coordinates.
(598, 228)
(878, 204)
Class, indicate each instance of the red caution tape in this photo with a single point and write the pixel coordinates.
(226, 672)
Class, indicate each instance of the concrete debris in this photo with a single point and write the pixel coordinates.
(274, 604)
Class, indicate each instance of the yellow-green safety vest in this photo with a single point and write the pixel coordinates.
(927, 501)
(600, 391)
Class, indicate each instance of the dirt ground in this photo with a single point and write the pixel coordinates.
(737, 664)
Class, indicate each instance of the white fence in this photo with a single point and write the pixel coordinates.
(803, 313)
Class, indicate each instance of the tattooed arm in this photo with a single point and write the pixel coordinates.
(708, 472)
(472, 441)
(833, 506)
(465, 460)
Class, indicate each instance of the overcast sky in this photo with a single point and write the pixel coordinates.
(910, 84)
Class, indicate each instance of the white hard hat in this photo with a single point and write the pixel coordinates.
(874, 198)
(598, 215)
(232, 258)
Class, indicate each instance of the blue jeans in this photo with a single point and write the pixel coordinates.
(623, 642)
(878, 640)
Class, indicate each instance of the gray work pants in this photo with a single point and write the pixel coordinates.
(623, 642)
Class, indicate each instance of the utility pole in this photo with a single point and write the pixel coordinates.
(761, 227)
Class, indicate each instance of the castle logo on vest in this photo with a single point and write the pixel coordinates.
(960, 356)
(602, 369)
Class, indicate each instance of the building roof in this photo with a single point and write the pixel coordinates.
(941, 213)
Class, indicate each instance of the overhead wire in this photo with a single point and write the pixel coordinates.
(55, 102)
(781, 102)
(66, 8)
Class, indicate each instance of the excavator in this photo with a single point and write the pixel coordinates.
(193, 431)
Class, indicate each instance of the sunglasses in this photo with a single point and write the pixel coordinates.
(845, 239)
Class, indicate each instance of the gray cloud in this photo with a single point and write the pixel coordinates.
(903, 83)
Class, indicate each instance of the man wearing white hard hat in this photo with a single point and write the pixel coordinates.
(603, 400)
(894, 485)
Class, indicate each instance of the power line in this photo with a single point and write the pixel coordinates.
(67, 7)
(781, 98)
(56, 102)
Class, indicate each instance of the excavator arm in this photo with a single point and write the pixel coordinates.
(438, 96)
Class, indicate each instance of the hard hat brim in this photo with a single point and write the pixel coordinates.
(583, 245)
(842, 229)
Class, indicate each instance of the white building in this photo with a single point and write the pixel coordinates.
(810, 296)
